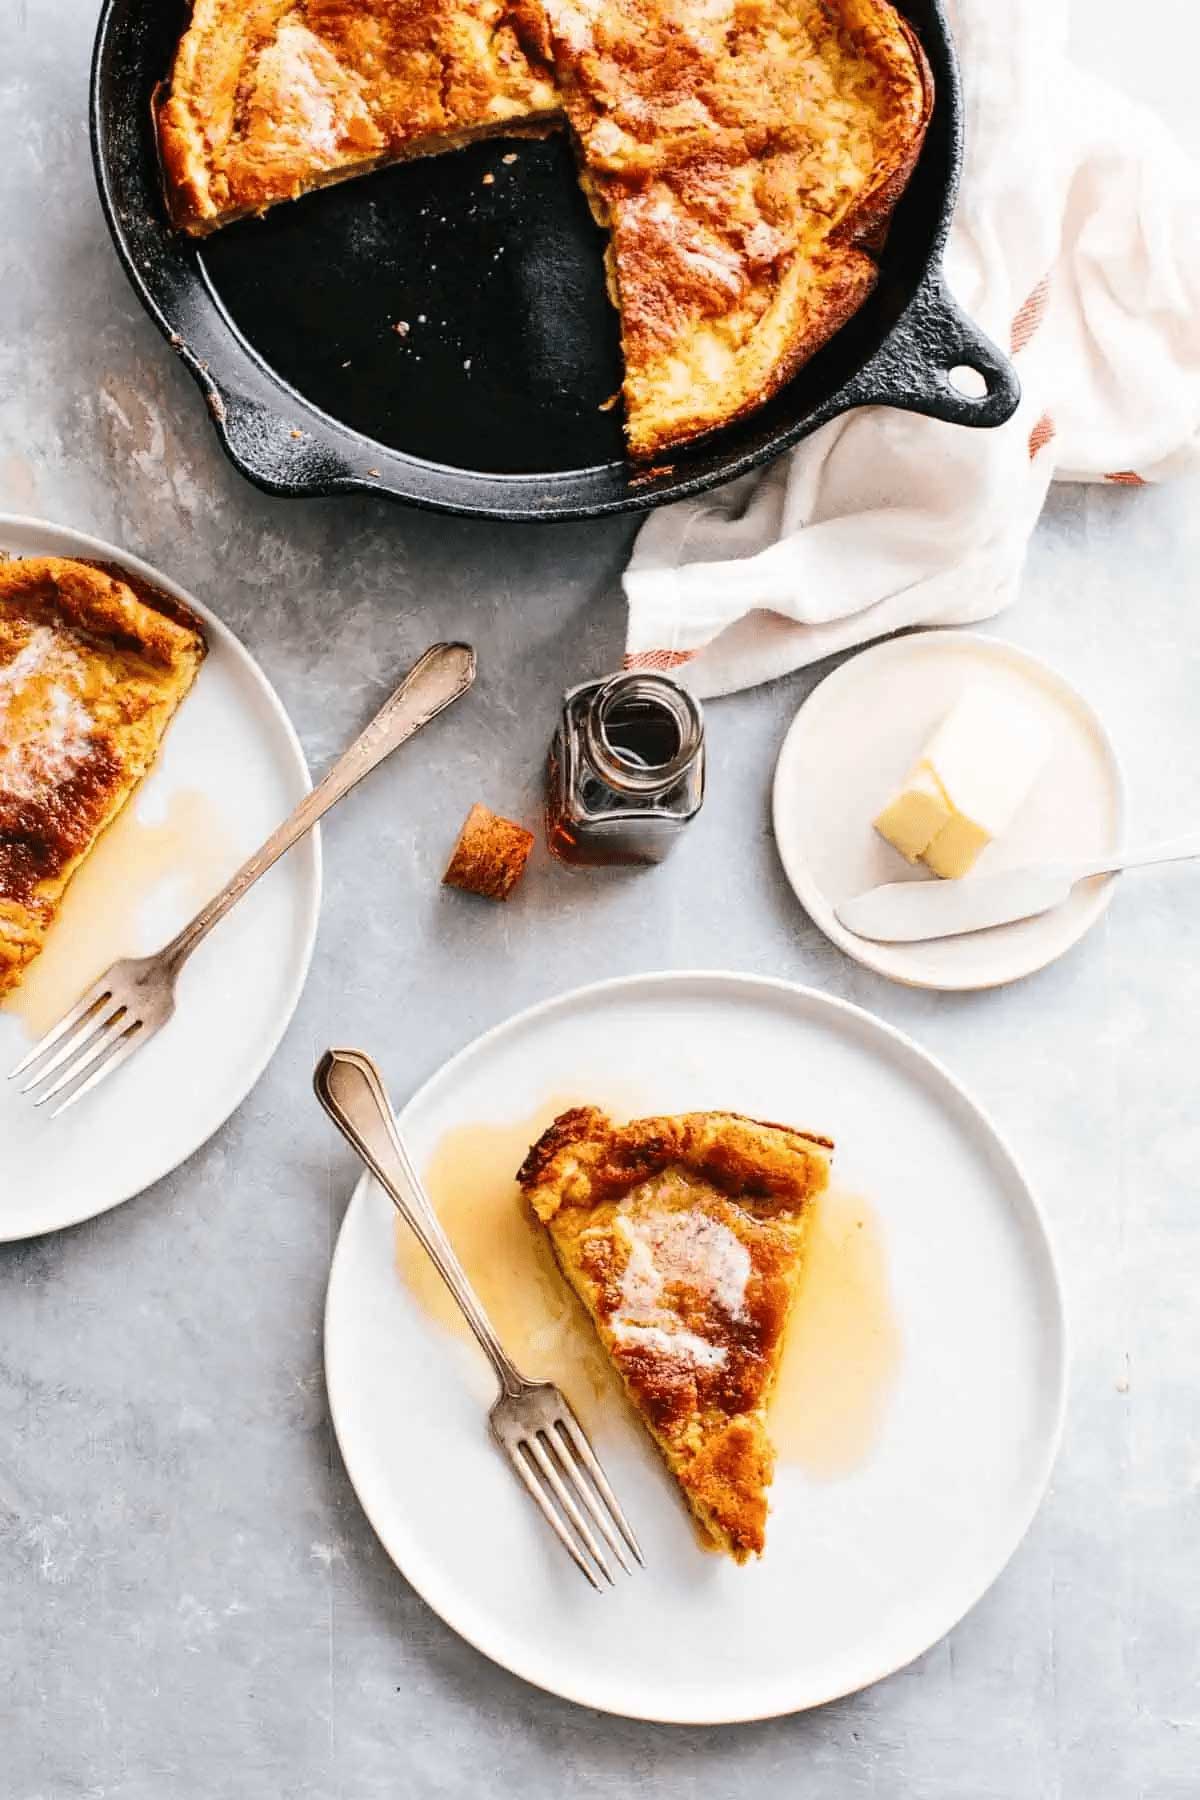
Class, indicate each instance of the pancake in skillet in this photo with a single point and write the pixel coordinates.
(745, 155)
(269, 98)
(683, 1237)
(90, 676)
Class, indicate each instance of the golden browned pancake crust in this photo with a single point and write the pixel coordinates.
(269, 98)
(683, 1237)
(90, 674)
(745, 155)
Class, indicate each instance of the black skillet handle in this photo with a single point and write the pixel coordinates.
(931, 341)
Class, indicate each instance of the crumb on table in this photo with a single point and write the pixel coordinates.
(490, 855)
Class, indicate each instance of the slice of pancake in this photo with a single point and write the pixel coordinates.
(91, 673)
(270, 98)
(683, 1237)
(746, 157)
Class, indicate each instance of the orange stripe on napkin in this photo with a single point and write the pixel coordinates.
(1041, 435)
(660, 660)
(1029, 316)
(1126, 478)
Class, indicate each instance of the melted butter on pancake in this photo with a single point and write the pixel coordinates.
(677, 1251)
(44, 727)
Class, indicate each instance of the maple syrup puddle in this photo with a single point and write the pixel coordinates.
(471, 1179)
(98, 920)
(843, 1348)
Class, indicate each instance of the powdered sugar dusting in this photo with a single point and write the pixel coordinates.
(685, 1248)
(305, 102)
(44, 748)
(313, 109)
(715, 262)
(576, 25)
(678, 1342)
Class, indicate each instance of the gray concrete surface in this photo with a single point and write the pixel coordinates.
(192, 1606)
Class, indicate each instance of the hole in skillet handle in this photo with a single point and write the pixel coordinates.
(937, 361)
(971, 383)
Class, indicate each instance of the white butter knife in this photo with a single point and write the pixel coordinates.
(907, 912)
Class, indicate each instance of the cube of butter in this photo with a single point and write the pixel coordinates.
(972, 778)
(917, 814)
(954, 849)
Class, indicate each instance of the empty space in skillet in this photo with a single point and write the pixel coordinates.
(508, 347)
(445, 316)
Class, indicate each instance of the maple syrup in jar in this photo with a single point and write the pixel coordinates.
(626, 770)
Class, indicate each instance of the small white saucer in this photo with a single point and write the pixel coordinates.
(853, 741)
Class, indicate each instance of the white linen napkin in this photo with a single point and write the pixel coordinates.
(1075, 246)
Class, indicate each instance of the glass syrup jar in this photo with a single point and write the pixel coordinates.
(625, 772)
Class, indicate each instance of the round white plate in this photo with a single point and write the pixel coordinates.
(861, 1573)
(851, 745)
(231, 767)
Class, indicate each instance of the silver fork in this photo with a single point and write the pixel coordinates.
(530, 1421)
(134, 999)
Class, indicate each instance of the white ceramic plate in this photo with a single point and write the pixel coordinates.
(853, 741)
(231, 767)
(862, 1572)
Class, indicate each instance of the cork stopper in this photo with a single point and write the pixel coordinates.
(490, 855)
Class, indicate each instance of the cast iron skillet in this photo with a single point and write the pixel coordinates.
(490, 402)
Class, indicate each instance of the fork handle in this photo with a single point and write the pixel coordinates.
(350, 1088)
(433, 683)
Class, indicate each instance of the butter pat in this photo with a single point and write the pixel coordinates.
(954, 849)
(918, 813)
(969, 783)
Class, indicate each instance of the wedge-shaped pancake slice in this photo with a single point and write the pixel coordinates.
(270, 98)
(746, 156)
(684, 1237)
(90, 675)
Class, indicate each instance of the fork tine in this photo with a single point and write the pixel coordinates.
(95, 996)
(562, 1493)
(549, 1512)
(119, 1052)
(107, 1029)
(560, 1443)
(569, 1425)
(78, 1041)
